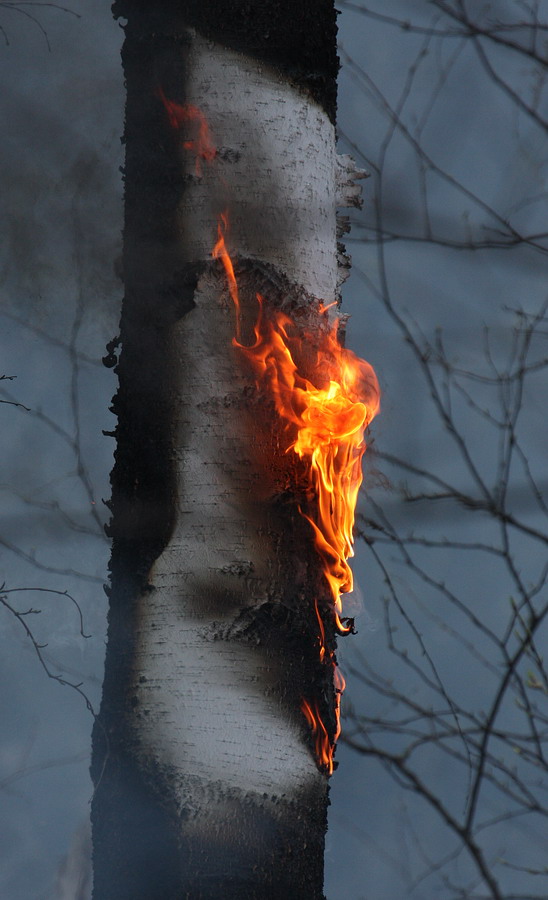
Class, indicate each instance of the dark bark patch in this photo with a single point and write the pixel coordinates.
(297, 39)
(135, 835)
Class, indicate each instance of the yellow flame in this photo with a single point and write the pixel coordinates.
(325, 413)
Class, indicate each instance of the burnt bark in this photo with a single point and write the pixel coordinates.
(149, 838)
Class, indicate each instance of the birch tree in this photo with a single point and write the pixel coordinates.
(208, 777)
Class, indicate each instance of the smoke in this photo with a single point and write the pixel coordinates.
(74, 876)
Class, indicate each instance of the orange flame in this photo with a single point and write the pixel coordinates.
(220, 252)
(340, 685)
(326, 419)
(324, 748)
(201, 145)
(322, 744)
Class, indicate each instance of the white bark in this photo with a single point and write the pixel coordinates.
(275, 170)
(348, 192)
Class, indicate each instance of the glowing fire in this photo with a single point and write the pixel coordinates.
(200, 144)
(323, 747)
(325, 397)
(322, 744)
(326, 419)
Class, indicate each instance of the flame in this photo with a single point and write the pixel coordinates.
(339, 684)
(220, 252)
(325, 416)
(323, 747)
(322, 744)
(201, 144)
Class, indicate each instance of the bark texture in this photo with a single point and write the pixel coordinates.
(206, 780)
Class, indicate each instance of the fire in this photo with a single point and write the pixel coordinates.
(325, 416)
(325, 397)
(322, 744)
(200, 144)
(323, 747)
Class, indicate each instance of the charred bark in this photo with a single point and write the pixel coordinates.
(206, 780)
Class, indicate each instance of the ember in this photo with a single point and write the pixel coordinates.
(200, 144)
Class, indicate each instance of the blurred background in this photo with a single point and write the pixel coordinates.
(441, 787)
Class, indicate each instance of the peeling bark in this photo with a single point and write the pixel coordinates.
(206, 781)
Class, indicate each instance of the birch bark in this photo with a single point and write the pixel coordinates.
(206, 780)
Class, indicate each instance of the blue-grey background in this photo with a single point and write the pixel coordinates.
(469, 161)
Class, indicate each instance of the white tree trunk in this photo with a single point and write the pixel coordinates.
(201, 712)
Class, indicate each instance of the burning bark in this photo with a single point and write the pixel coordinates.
(221, 619)
(324, 397)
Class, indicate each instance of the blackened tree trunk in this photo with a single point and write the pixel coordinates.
(206, 779)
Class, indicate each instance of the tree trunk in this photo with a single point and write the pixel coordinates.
(206, 779)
